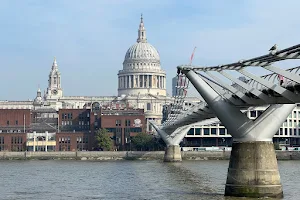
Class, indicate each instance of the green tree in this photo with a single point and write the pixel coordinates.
(142, 141)
(103, 140)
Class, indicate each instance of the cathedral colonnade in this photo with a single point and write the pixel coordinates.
(142, 81)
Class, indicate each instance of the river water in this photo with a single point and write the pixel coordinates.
(126, 180)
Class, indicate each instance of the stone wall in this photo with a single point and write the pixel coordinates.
(134, 155)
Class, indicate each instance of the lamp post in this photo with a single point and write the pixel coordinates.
(130, 144)
(37, 143)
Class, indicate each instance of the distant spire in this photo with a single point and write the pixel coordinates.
(142, 31)
(38, 92)
(54, 65)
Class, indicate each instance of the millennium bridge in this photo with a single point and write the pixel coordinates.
(253, 169)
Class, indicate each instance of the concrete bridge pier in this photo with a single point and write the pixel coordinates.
(172, 138)
(172, 154)
(253, 170)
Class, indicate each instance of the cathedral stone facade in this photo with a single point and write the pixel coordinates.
(141, 84)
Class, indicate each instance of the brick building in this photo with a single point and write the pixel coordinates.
(67, 129)
(123, 124)
(77, 127)
(73, 141)
(14, 123)
(76, 130)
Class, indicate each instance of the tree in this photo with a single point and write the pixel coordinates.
(159, 144)
(142, 141)
(103, 140)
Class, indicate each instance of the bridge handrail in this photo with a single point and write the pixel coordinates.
(180, 94)
(274, 78)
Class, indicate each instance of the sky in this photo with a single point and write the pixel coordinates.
(90, 38)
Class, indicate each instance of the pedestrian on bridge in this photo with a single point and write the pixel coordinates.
(280, 78)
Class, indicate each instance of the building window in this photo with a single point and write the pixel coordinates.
(127, 122)
(198, 131)
(213, 131)
(191, 131)
(85, 139)
(136, 130)
(118, 122)
(221, 131)
(148, 106)
(280, 131)
(16, 122)
(79, 140)
(285, 131)
(7, 122)
(206, 131)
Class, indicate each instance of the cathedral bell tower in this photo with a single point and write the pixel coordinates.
(54, 90)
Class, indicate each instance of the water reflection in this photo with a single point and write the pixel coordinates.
(125, 180)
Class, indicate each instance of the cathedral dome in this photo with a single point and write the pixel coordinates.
(141, 73)
(141, 51)
(141, 55)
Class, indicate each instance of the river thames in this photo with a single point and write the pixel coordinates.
(126, 180)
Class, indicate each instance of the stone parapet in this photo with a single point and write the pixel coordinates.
(131, 155)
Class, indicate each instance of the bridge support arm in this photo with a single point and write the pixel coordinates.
(172, 140)
(228, 114)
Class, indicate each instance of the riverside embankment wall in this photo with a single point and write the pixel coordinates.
(134, 155)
